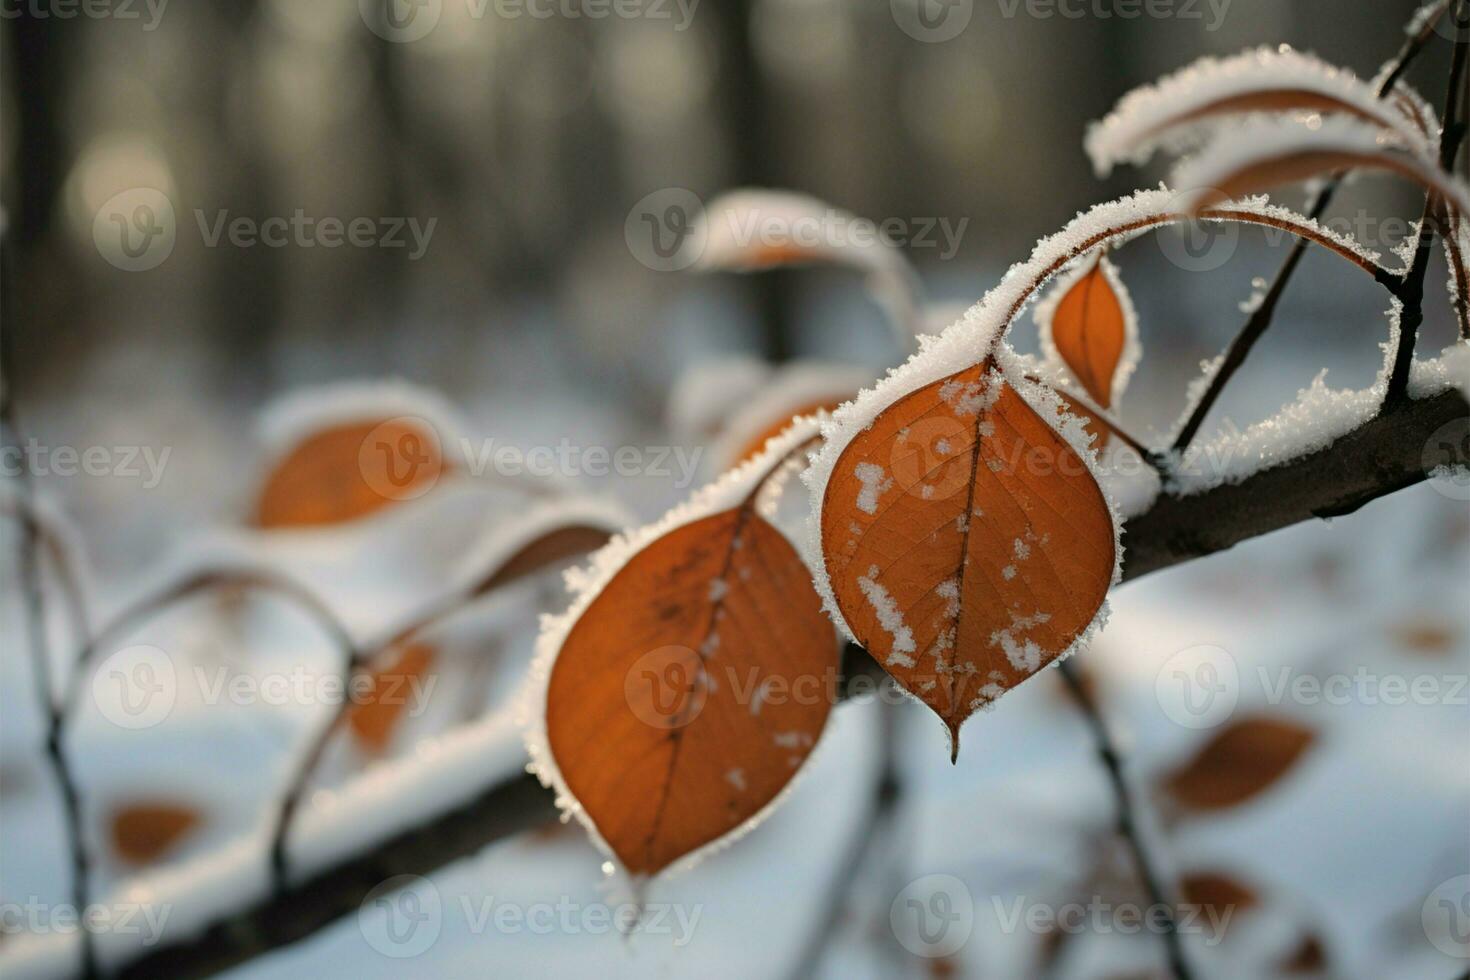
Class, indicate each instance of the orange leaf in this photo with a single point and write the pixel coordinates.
(1090, 329)
(542, 553)
(1218, 895)
(350, 471)
(753, 447)
(1240, 762)
(1267, 155)
(660, 708)
(373, 720)
(143, 832)
(967, 544)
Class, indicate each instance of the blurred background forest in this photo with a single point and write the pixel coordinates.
(527, 140)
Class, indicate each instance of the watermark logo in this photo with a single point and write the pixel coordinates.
(667, 688)
(401, 459)
(1211, 13)
(1446, 917)
(1445, 459)
(136, 687)
(922, 453)
(148, 11)
(933, 916)
(135, 230)
(932, 21)
(1198, 687)
(666, 230)
(401, 21)
(1197, 246)
(402, 916)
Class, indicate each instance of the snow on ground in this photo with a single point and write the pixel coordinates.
(534, 905)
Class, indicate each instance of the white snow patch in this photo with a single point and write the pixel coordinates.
(889, 618)
(875, 482)
(1162, 114)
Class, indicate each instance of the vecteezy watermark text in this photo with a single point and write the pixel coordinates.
(305, 231)
(126, 462)
(148, 11)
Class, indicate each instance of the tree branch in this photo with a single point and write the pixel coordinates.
(1127, 826)
(1411, 289)
(1260, 319)
(1382, 456)
(33, 597)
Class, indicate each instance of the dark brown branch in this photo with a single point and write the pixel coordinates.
(1382, 456)
(34, 600)
(1260, 319)
(1411, 289)
(1126, 824)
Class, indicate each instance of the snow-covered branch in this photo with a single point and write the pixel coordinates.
(1388, 452)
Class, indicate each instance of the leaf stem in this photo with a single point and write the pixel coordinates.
(1260, 319)
(1127, 826)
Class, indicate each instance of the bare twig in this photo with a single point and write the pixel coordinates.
(35, 605)
(1383, 455)
(196, 584)
(1127, 825)
(1260, 319)
(1411, 288)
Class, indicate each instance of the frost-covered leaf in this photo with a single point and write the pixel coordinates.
(1267, 154)
(1088, 325)
(1240, 762)
(391, 690)
(966, 543)
(1177, 110)
(797, 389)
(687, 684)
(346, 451)
(144, 831)
(753, 229)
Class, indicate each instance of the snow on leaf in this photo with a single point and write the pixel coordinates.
(346, 451)
(144, 831)
(796, 389)
(638, 719)
(752, 229)
(1240, 762)
(1271, 153)
(960, 607)
(1180, 107)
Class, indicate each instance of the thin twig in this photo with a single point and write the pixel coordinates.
(1411, 288)
(196, 584)
(1383, 455)
(1260, 319)
(35, 606)
(1127, 825)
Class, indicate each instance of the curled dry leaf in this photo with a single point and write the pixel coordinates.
(1239, 763)
(349, 471)
(144, 832)
(794, 390)
(389, 693)
(967, 543)
(1263, 81)
(690, 685)
(1266, 155)
(753, 229)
